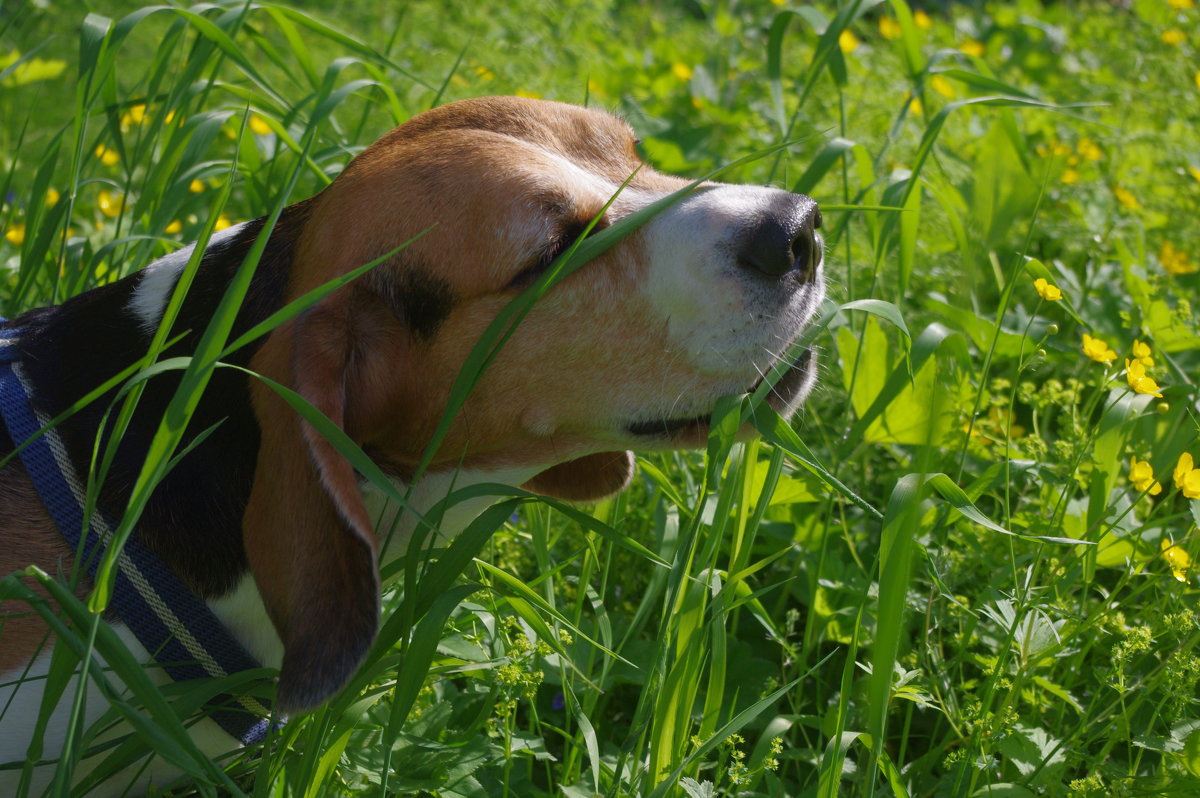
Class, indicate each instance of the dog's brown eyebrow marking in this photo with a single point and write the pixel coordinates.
(420, 299)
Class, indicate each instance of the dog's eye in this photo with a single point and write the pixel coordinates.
(559, 243)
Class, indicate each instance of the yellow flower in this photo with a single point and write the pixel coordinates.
(1177, 558)
(222, 222)
(922, 20)
(778, 2)
(170, 116)
(847, 41)
(259, 126)
(109, 203)
(1174, 261)
(1190, 484)
(943, 86)
(889, 28)
(173, 227)
(107, 156)
(1089, 150)
(972, 47)
(1174, 37)
(1141, 476)
(1194, 171)
(1198, 79)
(1070, 176)
(1182, 468)
(1181, 4)
(484, 73)
(1126, 198)
(1046, 290)
(196, 186)
(136, 115)
(681, 71)
(52, 197)
(1142, 354)
(1135, 375)
(1097, 350)
(532, 95)
(15, 234)
(914, 103)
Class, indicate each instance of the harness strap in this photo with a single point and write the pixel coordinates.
(178, 629)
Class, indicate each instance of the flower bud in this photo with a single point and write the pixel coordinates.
(1052, 329)
(1163, 408)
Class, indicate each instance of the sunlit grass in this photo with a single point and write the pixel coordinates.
(893, 598)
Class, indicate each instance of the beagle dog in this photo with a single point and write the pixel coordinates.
(262, 519)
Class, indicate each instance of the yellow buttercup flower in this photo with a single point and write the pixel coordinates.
(1089, 150)
(484, 73)
(1183, 468)
(1142, 353)
(1190, 484)
(1070, 176)
(222, 222)
(922, 20)
(173, 227)
(972, 47)
(914, 104)
(259, 126)
(136, 115)
(1181, 4)
(943, 87)
(1198, 87)
(107, 155)
(1141, 476)
(1047, 290)
(110, 204)
(1126, 198)
(1174, 261)
(532, 95)
(1173, 37)
(1135, 375)
(1177, 558)
(1097, 350)
(52, 197)
(15, 234)
(889, 28)
(681, 71)
(196, 186)
(848, 41)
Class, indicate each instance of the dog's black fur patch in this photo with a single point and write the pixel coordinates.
(419, 298)
(194, 518)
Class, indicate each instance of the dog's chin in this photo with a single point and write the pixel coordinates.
(691, 431)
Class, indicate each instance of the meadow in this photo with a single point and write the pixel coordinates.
(965, 569)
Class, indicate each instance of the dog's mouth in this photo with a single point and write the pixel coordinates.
(795, 382)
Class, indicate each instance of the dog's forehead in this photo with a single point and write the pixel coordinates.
(594, 139)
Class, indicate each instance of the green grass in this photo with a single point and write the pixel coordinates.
(888, 599)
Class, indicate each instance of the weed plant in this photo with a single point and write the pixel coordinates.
(966, 571)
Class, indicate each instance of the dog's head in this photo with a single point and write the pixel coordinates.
(630, 351)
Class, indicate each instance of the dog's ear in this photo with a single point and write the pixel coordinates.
(586, 478)
(308, 536)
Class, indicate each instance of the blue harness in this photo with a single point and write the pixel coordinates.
(176, 627)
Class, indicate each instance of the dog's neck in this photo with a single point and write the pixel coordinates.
(193, 520)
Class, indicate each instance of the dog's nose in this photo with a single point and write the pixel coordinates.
(784, 240)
